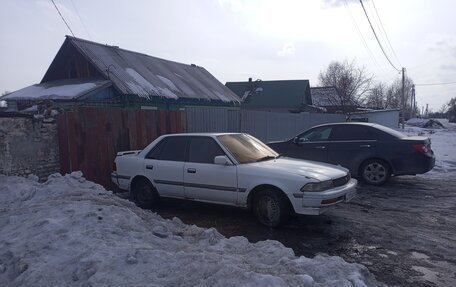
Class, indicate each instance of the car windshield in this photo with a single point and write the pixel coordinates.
(246, 149)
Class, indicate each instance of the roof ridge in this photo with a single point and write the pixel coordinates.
(71, 38)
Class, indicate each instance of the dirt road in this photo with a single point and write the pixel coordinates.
(405, 232)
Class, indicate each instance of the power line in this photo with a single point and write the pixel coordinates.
(376, 37)
(436, 84)
(384, 32)
(63, 18)
(370, 54)
(82, 22)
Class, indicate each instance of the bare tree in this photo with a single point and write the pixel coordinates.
(394, 94)
(352, 82)
(376, 97)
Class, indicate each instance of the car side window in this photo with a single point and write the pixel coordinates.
(315, 135)
(352, 133)
(170, 148)
(203, 150)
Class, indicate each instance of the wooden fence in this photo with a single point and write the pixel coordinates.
(90, 137)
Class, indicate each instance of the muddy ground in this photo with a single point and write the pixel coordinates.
(404, 232)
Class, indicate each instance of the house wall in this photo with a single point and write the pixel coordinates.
(385, 118)
(28, 146)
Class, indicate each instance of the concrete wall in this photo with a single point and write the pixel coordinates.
(28, 146)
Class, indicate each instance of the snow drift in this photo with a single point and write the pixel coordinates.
(70, 231)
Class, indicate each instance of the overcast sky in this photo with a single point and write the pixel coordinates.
(236, 39)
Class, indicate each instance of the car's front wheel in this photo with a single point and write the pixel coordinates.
(271, 208)
(144, 194)
(375, 172)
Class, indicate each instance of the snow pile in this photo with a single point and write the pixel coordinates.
(69, 231)
(443, 144)
(425, 123)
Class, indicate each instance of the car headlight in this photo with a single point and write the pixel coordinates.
(317, 186)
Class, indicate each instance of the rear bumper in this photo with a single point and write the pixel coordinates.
(314, 203)
(417, 165)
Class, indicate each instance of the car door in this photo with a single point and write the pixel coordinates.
(164, 166)
(351, 144)
(205, 180)
(312, 144)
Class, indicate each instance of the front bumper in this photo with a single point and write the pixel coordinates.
(314, 203)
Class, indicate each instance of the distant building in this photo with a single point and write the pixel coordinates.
(276, 96)
(93, 74)
(329, 99)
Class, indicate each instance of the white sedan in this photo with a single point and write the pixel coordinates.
(232, 169)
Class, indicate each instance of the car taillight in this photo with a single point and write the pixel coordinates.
(114, 166)
(420, 148)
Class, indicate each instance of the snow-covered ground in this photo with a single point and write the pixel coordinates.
(443, 143)
(72, 232)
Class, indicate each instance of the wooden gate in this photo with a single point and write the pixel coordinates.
(89, 137)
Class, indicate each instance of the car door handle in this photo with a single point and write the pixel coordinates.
(320, 147)
(365, 145)
(149, 166)
(191, 170)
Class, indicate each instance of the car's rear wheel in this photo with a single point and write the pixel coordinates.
(375, 172)
(271, 208)
(144, 194)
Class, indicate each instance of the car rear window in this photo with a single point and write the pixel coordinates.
(170, 148)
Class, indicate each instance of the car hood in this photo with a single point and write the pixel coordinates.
(310, 169)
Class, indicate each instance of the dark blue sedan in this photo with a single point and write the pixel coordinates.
(371, 152)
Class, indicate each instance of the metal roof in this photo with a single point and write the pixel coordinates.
(138, 74)
(326, 97)
(57, 90)
(287, 94)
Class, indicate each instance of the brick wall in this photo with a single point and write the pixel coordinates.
(28, 146)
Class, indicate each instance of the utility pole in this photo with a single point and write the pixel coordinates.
(403, 98)
(412, 102)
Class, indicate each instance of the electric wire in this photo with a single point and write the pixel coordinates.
(370, 53)
(80, 19)
(384, 32)
(376, 37)
(63, 18)
(436, 84)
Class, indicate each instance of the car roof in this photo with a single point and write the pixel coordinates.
(349, 123)
(202, 134)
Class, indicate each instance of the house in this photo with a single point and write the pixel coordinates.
(388, 118)
(93, 74)
(276, 96)
(329, 99)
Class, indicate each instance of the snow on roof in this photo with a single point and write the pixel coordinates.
(70, 231)
(56, 90)
(147, 76)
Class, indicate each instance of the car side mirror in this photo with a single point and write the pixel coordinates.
(222, 160)
(296, 140)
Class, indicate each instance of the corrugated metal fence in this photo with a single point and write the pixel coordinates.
(267, 126)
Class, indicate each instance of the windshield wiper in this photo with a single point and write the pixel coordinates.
(268, 157)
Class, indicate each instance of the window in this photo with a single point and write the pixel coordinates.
(245, 148)
(203, 150)
(170, 148)
(352, 133)
(316, 135)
